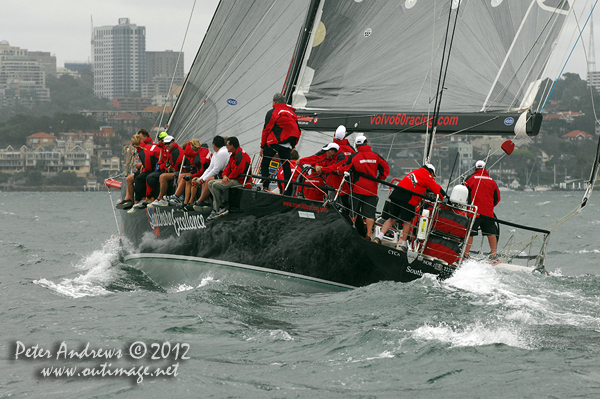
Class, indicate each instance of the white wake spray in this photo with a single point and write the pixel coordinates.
(97, 273)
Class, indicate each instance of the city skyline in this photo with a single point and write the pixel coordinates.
(66, 27)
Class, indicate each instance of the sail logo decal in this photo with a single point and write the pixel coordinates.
(307, 119)
(232, 101)
(509, 121)
(158, 218)
(406, 120)
(306, 207)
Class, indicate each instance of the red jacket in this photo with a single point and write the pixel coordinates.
(483, 191)
(418, 181)
(281, 126)
(370, 163)
(238, 166)
(173, 158)
(328, 167)
(163, 155)
(312, 192)
(295, 174)
(199, 160)
(149, 155)
(345, 147)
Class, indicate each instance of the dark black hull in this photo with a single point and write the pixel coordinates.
(278, 233)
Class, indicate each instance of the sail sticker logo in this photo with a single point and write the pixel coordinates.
(509, 121)
(307, 119)
(158, 218)
(232, 101)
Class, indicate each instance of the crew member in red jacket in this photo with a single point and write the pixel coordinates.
(484, 194)
(364, 190)
(199, 165)
(236, 172)
(402, 203)
(340, 139)
(174, 159)
(279, 136)
(295, 172)
(127, 202)
(328, 163)
(198, 157)
(149, 155)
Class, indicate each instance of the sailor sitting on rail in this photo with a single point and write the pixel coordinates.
(149, 154)
(127, 202)
(199, 159)
(217, 165)
(159, 181)
(234, 175)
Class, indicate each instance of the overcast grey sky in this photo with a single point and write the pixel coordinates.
(63, 27)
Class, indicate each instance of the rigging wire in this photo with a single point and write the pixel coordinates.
(442, 79)
(571, 53)
(177, 63)
(526, 78)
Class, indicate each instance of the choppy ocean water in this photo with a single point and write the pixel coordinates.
(484, 333)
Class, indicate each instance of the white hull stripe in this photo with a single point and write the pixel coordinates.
(233, 264)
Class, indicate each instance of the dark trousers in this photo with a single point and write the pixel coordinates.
(139, 185)
(284, 155)
(154, 183)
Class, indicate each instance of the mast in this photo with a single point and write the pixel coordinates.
(300, 51)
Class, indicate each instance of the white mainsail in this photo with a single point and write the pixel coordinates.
(243, 60)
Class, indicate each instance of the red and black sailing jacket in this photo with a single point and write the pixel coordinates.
(367, 162)
(418, 181)
(330, 168)
(281, 126)
(149, 155)
(345, 147)
(483, 191)
(238, 166)
(163, 156)
(295, 174)
(201, 161)
(174, 158)
(198, 160)
(316, 191)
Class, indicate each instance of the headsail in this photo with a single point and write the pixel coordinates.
(375, 63)
(243, 60)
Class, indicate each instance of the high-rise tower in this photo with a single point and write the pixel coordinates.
(119, 59)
